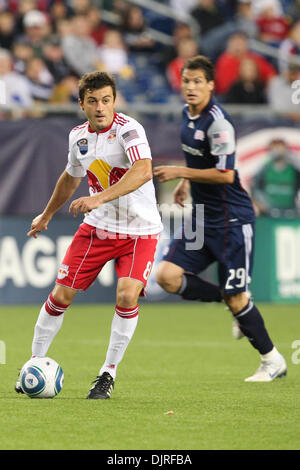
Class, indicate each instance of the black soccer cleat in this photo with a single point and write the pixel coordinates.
(103, 387)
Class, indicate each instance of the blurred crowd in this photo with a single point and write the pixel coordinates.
(46, 45)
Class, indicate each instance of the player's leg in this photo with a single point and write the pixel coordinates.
(78, 270)
(49, 322)
(124, 323)
(169, 276)
(75, 272)
(50, 319)
(235, 271)
(177, 272)
(123, 326)
(253, 327)
(133, 269)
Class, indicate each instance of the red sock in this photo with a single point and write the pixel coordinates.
(55, 308)
(127, 312)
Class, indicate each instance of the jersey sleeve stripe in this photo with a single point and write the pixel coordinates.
(221, 165)
(80, 127)
(131, 158)
(133, 154)
(120, 120)
(216, 113)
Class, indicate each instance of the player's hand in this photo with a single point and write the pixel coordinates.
(84, 204)
(38, 224)
(181, 192)
(166, 173)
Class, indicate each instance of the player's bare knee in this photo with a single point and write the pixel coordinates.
(166, 283)
(63, 295)
(127, 300)
(167, 279)
(127, 297)
(236, 302)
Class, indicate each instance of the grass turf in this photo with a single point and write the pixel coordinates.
(181, 358)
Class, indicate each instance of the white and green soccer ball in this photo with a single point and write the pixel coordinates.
(41, 377)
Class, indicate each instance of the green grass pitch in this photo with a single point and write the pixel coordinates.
(181, 358)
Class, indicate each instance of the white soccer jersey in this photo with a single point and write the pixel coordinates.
(104, 157)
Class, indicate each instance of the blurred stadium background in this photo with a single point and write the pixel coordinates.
(45, 45)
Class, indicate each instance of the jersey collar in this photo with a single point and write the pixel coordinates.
(204, 110)
(103, 130)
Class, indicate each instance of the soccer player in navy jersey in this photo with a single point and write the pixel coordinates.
(208, 143)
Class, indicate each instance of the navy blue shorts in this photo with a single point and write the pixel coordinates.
(231, 247)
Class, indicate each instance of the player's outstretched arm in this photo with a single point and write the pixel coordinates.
(64, 189)
(207, 176)
(136, 176)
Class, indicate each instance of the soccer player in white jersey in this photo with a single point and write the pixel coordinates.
(121, 221)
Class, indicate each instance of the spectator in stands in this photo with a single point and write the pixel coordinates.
(117, 7)
(17, 92)
(135, 32)
(214, 41)
(80, 50)
(59, 10)
(39, 79)
(54, 59)
(290, 47)
(276, 188)
(20, 9)
(7, 29)
(272, 27)
(63, 27)
(248, 89)
(80, 7)
(227, 65)
(22, 52)
(260, 5)
(66, 91)
(3, 5)
(98, 28)
(180, 31)
(37, 29)
(244, 18)
(207, 15)
(280, 92)
(187, 48)
(293, 10)
(184, 8)
(17, 5)
(113, 57)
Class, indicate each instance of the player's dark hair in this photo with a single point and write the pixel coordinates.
(200, 62)
(95, 81)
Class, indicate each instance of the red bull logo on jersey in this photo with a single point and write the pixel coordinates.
(83, 146)
(101, 175)
(63, 271)
(111, 137)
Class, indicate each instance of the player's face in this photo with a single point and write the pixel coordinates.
(98, 106)
(196, 89)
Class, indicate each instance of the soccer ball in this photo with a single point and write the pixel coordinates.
(41, 377)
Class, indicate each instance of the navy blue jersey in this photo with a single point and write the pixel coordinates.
(208, 141)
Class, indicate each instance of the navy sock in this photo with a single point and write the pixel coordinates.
(194, 288)
(252, 325)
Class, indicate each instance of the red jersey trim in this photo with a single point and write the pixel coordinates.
(103, 130)
(120, 120)
(133, 154)
(80, 127)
